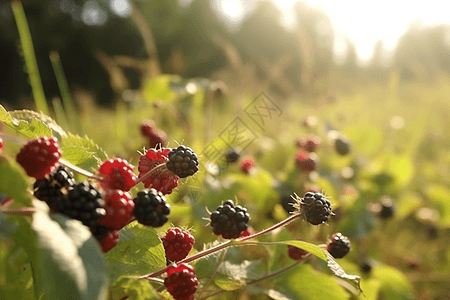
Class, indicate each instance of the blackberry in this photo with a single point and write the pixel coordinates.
(232, 156)
(177, 243)
(182, 161)
(229, 220)
(181, 281)
(339, 245)
(316, 208)
(49, 188)
(342, 146)
(100, 231)
(287, 203)
(387, 208)
(82, 202)
(151, 208)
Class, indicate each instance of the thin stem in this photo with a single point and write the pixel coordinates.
(158, 168)
(12, 138)
(278, 225)
(26, 211)
(157, 280)
(273, 274)
(78, 169)
(194, 257)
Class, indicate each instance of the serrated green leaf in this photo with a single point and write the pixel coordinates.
(82, 152)
(31, 123)
(139, 252)
(14, 181)
(67, 260)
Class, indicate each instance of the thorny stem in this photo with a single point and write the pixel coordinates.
(194, 257)
(237, 242)
(7, 202)
(278, 225)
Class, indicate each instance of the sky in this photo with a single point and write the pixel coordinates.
(363, 22)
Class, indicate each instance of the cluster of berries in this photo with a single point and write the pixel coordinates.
(155, 137)
(229, 220)
(306, 158)
(338, 246)
(107, 206)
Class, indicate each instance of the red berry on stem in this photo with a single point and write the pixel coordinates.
(177, 243)
(162, 179)
(181, 281)
(296, 253)
(110, 240)
(117, 174)
(306, 162)
(38, 157)
(119, 208)
(1, 143)
(247, 164)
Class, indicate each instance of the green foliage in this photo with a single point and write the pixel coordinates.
(14, 182)
(82, 152)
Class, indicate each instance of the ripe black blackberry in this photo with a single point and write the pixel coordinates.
(339, 245)
(229, 220)
(82, 202)
(151, 208)
(387, 208)
(182, 161)
(287, 202)
(100, 231)
(49, 188)
(232, 156)
(342, 146)
(315, 207)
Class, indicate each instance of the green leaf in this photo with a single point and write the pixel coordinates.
(325, 256)
(247, 269)
(31, 123)
(228, 283)
(67, 260)
(367, 138)
(133, 288)
(440, 195)
(304, 283)
(82, 152)
(14, 181)
(159, 88)
(394, 284)
(139, 252)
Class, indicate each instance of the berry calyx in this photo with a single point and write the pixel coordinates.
(110, 240)
(287, 202)
(82, 202)
(306, 161)
(119, 208)
(159, 178)
(181, 281)
(177, 243)
(296, 253)
(229, 220)
(182, 161)
(117, 174)
(316, 208)
(151, 208)
(38, 157)
(339, 245)
(247, 164)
